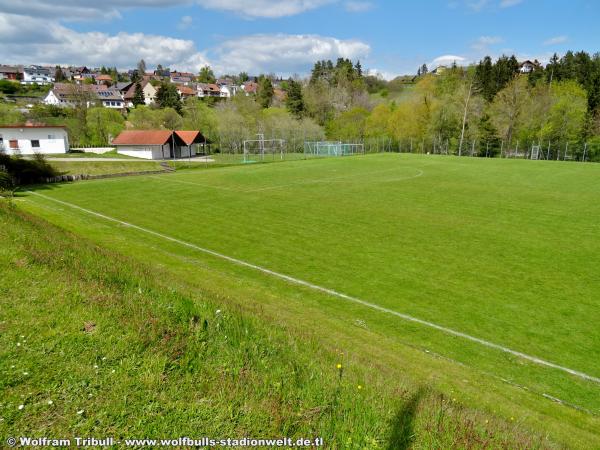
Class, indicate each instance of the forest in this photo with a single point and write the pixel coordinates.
(486, 109)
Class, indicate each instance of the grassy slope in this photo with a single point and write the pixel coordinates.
(103, 167)
(485, 209)
(92, 343)
(76, 155)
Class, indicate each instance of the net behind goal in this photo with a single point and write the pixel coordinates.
(332, 148)
(258, 150)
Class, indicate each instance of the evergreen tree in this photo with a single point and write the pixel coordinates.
(265, 92)
(138, 96)
(295, 101)
(424, 69)
(59, 75)
(141, 67)
(358, 69)
(168, 97)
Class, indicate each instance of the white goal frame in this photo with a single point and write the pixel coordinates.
(332, 148)
(254, 153)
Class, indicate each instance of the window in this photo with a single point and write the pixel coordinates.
(51, 136)
(13, 143)
(35, 143)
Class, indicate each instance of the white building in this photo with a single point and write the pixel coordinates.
(29, 139)
(37, 75)
(159, 144)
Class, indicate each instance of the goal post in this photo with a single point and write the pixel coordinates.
(259, 150)
(332, 148)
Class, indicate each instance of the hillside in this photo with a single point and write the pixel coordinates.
(94, 343)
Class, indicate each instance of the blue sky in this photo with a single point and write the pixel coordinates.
(286, 37)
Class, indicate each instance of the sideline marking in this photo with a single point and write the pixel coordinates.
(333, 293)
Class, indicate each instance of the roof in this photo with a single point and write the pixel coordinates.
(131, 91)
(209, 87)
(156, 137)
(190, 137)
(104, 78)
(185, 90)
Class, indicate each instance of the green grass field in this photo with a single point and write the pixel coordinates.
(505, 251)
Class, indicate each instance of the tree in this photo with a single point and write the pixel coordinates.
(145, 118)
(507, 107)
(141, 68)
(206, 75)
(295, 101)
(171, 120)
(348, 126)
(168, 97)
(243, 77)
(265, 92)
(103, 124)
(138, 96)
(59, 75)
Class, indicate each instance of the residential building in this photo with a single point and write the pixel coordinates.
(149, 93)
(37, 75)
(528, 66)
(250, 87)
(111, 98)
(65, 94)
(159, 144)
(186, 91)
(104, 79)
(28, 139)
(208, 90)
(12, 73)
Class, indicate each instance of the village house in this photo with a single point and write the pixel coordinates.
(28, 139)
(147, 88)
(159, 144)
(208, 90)
(12, 73)
(65, 94)
(528, 66)
(37, 75)
(250, 88)
(186, 92)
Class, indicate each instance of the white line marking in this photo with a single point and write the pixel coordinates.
(331, 292)
(195, 184)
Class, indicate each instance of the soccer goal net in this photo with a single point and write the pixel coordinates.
(258, 150)
(330, 148)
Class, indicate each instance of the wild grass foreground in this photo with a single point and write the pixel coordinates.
(92, 345)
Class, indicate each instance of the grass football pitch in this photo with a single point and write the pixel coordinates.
(494, 258)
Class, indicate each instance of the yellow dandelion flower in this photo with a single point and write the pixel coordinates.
(339, 366)
(359, 387)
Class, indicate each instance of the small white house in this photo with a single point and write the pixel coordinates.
(29, 139)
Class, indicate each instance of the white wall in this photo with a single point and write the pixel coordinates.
(57, 143)
(145, 151)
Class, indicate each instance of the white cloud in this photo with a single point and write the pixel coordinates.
(383, 74)
(283, 53)
(556, 40)
(81, 9)
(110, 9)
(30, 40)
(483, 42)
(53, 43)
(509, 3)
(264, 8)
(185, 22)
(447, 60)
(358, 6)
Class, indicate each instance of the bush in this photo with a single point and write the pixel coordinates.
(19, 171)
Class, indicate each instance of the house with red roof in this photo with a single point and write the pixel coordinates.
(159, 144)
